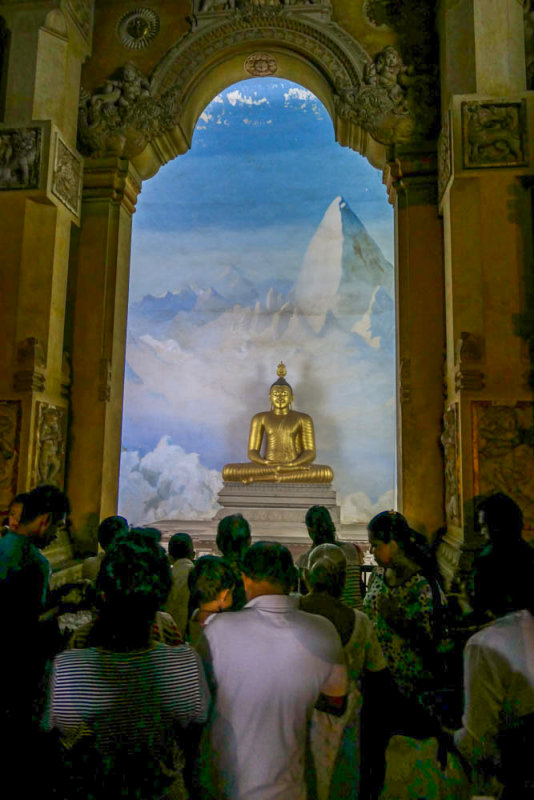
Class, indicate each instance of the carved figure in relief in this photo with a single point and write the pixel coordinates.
(493, 133)
(386, 73)
(8, 451)
(506, 456)
(51, 446)
(124, 91)
(289, 441)
(18, 155)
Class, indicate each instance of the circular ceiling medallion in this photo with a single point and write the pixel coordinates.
(138, 28)
(261, 64)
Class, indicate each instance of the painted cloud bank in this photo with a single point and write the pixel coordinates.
(200, 361)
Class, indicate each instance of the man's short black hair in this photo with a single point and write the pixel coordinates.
(210, 576)
(45, 499)
(233, 536)
(180, 546)
(272, 562)
(109, 528)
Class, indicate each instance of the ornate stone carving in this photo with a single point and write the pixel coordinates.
(138, 28)
(449, 440)
(50, 444)
(494, 134)
(469, 351)
(444, 156)
(503, 457)
(205, 11)
(10, 416)
(104, 380)
(31, 359)
(261, 64)
(67, 176)
(82, 13)
(20, 158)
(122, 116)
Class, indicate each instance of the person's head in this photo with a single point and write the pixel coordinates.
(181, 546)
(233, 536)
(499, 518)
(281, 393)
(211, 583)
(327, 570)
(133, 582)
(15, 510)
(320, 525)
(109, 528)
(268, 569)
(392, 541)
(44, 512)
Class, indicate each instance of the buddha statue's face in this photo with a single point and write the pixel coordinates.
(281, 397)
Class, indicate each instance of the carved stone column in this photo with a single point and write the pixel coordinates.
(40, 193)
(411, 180)
(485, 146)
(100, 267)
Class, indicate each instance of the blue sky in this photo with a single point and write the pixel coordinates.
(262, 170)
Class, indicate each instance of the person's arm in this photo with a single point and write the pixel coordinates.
(483, 701)
(307, 454)
(333, 696)
(255, 439)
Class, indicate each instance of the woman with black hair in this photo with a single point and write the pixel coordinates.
(124, 709)
(321, 530)
(402, 600)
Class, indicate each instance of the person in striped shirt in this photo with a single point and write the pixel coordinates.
(123, 710)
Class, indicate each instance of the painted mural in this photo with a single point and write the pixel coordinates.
(267, 241)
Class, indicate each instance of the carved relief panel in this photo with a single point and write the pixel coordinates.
(10, 417)
(50, 439)
(494, 134)
(449, 440)
(503, 453)
(20, 158)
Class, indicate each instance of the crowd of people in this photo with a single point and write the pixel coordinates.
(251, 676)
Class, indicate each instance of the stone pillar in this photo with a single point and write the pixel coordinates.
(411, 180)
(487, 120)
(40, 193)
(100, 267)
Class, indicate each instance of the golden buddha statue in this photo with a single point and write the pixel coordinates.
(289, 444)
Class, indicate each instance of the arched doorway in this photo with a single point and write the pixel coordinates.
(265, 252)
(367, 115)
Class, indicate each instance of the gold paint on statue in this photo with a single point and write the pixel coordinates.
(289, 444)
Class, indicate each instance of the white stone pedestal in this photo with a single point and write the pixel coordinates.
(276, 511)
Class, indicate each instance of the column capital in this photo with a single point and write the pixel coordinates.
(410, 175)
(114, 180)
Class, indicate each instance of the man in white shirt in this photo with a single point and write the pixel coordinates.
(269, 665)
(499, 702)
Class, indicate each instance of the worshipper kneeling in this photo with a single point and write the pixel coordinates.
(121, 709)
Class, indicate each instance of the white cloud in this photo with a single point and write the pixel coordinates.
(236, 97)
(166, 483)
(218, 99)
(297, 93)
(358, 507)
(206, 117)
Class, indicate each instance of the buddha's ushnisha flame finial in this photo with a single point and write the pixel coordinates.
(281, 370)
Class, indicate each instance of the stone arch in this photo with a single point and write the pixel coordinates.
(380, 107)
(369, 109)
